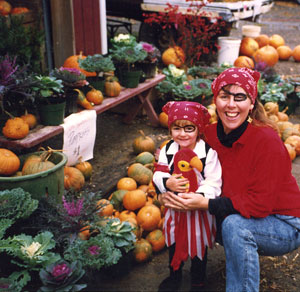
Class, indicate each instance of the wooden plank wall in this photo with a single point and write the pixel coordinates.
(87, 26)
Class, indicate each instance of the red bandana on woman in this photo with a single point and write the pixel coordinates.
(243, 77)
(187, 110)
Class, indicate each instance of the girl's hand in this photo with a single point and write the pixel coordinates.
(177, 183)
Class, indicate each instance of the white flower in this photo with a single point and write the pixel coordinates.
(122, 37)
(31, 249)
(176, 72)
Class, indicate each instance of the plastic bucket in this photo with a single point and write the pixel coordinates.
(42, 184)
(229, 50)
(52, 114)
(251, 31)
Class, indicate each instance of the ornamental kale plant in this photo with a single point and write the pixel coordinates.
(71, 77)
(97, 252)
(16, 204)
(197, 30)
(62, 276)
(30, 253)
(97, 63)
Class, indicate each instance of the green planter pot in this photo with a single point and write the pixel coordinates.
(130, 79)
(52, 114)
(96, 82)
(40, 185)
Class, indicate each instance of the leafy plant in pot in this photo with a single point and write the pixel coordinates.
(50, 99)
(102, 65)
(72, 78)
(126, 55)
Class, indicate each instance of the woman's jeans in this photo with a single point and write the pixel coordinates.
(245, 239)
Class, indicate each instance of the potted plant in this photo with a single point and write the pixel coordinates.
(15, 84)
(100, 64)
(149, 64)
(50, 99)
(126, 53)
(72, 78)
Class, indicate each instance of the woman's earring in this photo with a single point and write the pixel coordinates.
(249, 120)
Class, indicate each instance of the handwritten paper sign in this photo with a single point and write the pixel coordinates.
(79, 136)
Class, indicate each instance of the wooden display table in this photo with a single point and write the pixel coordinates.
(142, 92)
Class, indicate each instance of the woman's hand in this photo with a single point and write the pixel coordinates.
(184, 201)
(177, 183)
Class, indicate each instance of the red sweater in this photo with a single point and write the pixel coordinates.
(257, 173)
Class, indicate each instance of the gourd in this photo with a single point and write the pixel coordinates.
(156, 239)
(140, 173)
(174, 55)
(37, 163)
(72, 62)
(145, 158)
(82, 100)
(30, 119)
(117, 199)
(86, 168)
(94, 96)
(15, 128)
(112, 87)
(105, 208)
(148, 217)
(9, 162)
(143, 143)
(73, 178)
(134, 200)
(142, 250)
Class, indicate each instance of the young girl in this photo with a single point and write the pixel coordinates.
(187, 165)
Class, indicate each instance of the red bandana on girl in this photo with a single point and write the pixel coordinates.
(187, 110)
(243, 77)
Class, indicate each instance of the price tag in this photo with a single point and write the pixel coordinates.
(79, 136)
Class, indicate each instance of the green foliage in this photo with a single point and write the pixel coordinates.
(206, 71)
(121, 233)
(23, 41)
(4, 225)
(61, 277)
(97, 63)
(97, 252)
(31, 253)
(16, 204)
(15, 282)
(70, 76)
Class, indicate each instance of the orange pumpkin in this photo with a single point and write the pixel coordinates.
(291, 150)
(174, 55)
(85, 232)
(19, 10)
(142, 250)
(294, 140)
(124, 215)
(276, 41)
(95, 96)
(244, 61)
(126, 183)
(72, 62)
(86, 168)
(284, 52)
(296, 53)
(15, 128)
(163, 144)
(163, 119)
(156, 239)
(112, 87)
(30, 119)
(9, 162)
(144, 188)
(143, 143)
(267, 54)
(262, 40)
(5, 8)
(105, 208)
(134, 200)
(148, 217)
(73, 178)
(248, 47)
(140, 173)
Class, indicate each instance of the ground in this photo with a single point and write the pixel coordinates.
(113, 153)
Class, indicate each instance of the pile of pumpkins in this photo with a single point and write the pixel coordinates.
(6, 8)
(267, 49)
(289, 132)
(135, 201)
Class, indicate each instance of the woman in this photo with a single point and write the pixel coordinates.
(259, 208)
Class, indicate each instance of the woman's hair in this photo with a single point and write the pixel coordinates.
(260, 118)
(182, 123)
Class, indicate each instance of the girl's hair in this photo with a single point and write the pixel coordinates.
(182, 123)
